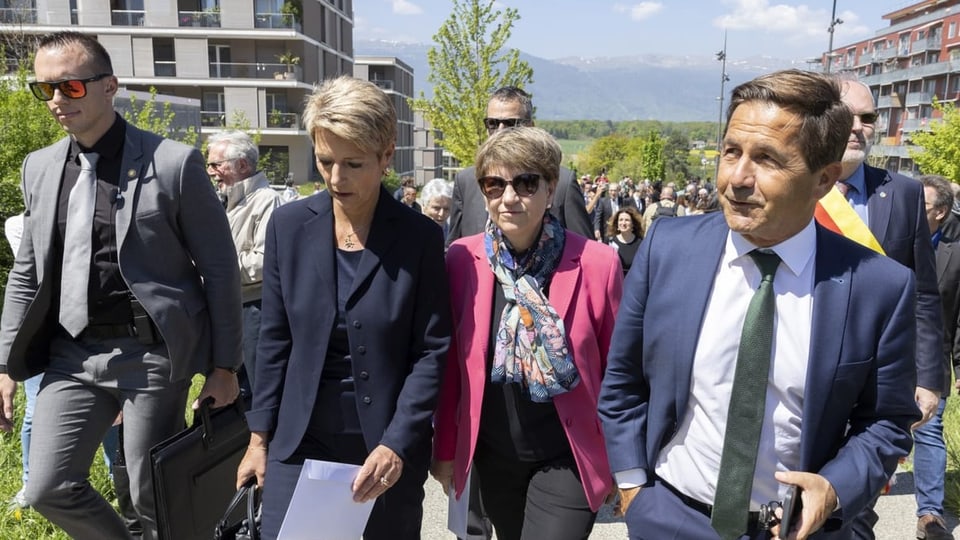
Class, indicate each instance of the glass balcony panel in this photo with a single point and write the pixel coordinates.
(208, 19)
(127, 17)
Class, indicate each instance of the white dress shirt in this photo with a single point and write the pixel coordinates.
(691, 460)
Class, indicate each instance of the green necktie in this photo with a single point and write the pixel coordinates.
(731, 507)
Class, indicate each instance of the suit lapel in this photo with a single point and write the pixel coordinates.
(482, 314)
(318, 231)
(831, 298)
(131, 171)
(879, 201)
(380, 241)
(565, 279)
(45, 206)
(944, 253)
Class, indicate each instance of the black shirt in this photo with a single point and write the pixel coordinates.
(108, 298)
(626, 251)
(511, 425)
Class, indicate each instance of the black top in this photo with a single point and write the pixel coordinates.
(108, 297)
(626, 251)
(511, 425)
(335, 410)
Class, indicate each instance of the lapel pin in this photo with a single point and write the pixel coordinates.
(836, 279)
(883, 194)
(132, 173)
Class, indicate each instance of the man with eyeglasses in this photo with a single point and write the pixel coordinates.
(232, 160)
(893, 208)
(124, 287)
(510, 107)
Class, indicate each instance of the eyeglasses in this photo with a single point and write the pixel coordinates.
(494, 123)
(71, 88)
(524, 185)
(217, 164)
(868, 118)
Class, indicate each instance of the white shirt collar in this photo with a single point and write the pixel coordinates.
(796, 252)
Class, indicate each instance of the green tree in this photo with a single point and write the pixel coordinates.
(149, 116)
(28, 125)
(604, 155)
(467, 64)
(654, 167)
(938, 150)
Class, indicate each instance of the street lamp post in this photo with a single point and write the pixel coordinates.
(834, 21)
(722, 57)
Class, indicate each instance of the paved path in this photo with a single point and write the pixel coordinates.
(896, 509)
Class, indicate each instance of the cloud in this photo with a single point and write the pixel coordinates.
(403, 7)
(794, 22)
(641, 11)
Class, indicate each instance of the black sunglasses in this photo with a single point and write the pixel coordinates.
(71, 88)
(494, 123)
(524, 185)
(868, 118)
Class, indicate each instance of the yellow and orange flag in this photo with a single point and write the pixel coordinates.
(835, 213)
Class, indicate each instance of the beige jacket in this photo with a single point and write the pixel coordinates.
(250, 204)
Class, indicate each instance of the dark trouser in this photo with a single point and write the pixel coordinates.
(85, 386)
(533, 500)
(865, 521)
(657, 513)
(251, 337)
(397, 514)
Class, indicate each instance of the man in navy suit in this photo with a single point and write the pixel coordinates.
(892, 206)
(837, 401)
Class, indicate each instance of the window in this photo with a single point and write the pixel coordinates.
(212, 107)
(219, 56)
(164, 58)
(952, 30)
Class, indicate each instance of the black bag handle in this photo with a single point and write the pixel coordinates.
(224, 530)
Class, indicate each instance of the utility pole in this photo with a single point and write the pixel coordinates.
(722, 57)
(834, 21)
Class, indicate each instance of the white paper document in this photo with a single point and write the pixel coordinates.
(322, 506)
(457, 510)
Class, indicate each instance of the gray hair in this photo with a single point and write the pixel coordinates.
(236, 145)
(438, 187)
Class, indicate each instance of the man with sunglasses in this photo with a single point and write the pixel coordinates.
(125, 286)
(510, 107)
(893, 208)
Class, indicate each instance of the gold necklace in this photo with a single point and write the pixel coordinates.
(347, 242)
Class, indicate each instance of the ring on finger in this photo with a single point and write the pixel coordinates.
(384, 482)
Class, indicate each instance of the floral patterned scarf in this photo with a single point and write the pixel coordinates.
(531, 343)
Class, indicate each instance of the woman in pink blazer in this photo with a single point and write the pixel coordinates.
(533, 312)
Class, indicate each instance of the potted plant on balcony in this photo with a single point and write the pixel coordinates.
(292, 11)
(289, 60)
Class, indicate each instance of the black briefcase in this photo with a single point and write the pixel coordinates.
(195, 472)
(245, 525)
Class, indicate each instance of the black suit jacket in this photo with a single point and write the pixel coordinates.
(948, 276)
(398, 324)
(898, 220)
(468, 215)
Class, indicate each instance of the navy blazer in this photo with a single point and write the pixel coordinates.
(948, 274)
(898, 220)
(858, 404)
(398, 325)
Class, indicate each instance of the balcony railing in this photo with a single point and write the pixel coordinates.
(278, 119)
(891, 101)
(209, 19)
(164, 68)
(918, 124)
(275, 20)
(919, 98)
(213, 118)
(383, 83)
(254, 70)
(18, 16)
(127, 17)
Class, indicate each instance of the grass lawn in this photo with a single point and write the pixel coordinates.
(29, 525)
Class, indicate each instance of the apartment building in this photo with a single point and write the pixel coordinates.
(908, 64)
(248, 62)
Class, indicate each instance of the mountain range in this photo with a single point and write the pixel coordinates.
(645, 87)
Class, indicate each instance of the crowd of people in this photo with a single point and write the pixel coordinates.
(513, 333)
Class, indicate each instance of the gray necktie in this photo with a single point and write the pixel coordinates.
(731, 506)
(75, 272)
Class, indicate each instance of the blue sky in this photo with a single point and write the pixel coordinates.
(591, 28)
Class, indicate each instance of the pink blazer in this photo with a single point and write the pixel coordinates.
(585, 291)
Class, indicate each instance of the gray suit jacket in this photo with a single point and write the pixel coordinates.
(468, 214)
(174, 250)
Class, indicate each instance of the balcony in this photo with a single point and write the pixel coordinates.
(275, 20)
(213, 118)
(929, 70)
(918, 124)
(18, 15)
(929, 44)
(277, 119)
(127, 17)
(383, 84)
(254, 70)
(207, 19)
(893, 52)
(892, 101)
(919, 98)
